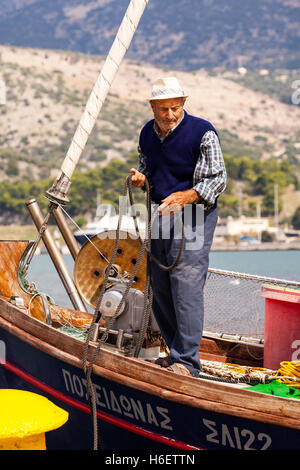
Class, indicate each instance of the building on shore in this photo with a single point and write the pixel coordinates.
(242, 226)
(252, 231)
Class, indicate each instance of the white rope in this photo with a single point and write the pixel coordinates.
(88, 239)
(84, 234)
(97, 97)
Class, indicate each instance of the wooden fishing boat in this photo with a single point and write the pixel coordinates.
(113, 394)
(139, 405)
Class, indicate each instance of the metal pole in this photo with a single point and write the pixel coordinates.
(59, 189)
(65, 231)
(55, 255)
(276, 207)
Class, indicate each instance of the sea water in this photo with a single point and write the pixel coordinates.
(280, 264)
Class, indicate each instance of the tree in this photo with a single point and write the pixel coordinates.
(268, 207)
(296, 219)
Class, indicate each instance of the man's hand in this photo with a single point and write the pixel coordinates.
(138, 179)
(175, 201)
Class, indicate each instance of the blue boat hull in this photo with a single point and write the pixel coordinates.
(129, 418)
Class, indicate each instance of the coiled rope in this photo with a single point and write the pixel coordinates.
(291, 369)
(288, 373)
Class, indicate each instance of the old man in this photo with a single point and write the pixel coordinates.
(181, 157)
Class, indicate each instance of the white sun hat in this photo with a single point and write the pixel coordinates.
(165, 88)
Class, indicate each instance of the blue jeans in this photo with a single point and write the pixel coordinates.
(178, 303)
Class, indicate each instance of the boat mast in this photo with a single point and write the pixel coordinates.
(59, 190)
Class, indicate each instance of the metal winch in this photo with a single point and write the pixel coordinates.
(130, 315)
(90, 268)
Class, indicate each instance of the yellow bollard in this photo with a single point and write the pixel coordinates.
(25, 417)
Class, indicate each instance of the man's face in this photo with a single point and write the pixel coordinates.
(167, 113)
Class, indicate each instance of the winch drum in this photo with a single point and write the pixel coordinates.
(93, 258)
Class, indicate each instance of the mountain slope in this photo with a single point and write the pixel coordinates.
(191, 35)
(47, 91)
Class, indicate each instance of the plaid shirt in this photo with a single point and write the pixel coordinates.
(209, 179)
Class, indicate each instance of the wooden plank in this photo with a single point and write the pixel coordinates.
(10, 256)
(156, 376)
(234, 352)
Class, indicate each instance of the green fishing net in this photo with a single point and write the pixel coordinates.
(276, 388)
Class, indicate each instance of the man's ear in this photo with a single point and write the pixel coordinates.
(152, 104)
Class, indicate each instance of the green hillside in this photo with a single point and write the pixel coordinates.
(46, 92)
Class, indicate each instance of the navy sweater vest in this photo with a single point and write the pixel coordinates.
(170, 164)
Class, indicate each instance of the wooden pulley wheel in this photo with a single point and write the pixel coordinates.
(91, 264)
